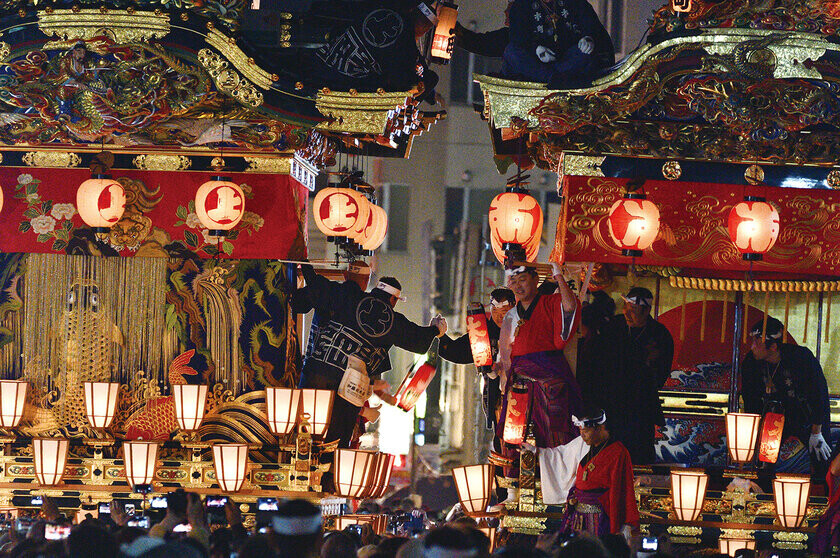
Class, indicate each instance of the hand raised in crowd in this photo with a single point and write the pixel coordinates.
(49, 509)
(232, 513)
(196, 515)
(118, 515)
(439, 322)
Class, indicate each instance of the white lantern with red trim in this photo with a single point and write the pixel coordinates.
(516, 222)
(100, 201)
(633, 223)
(753, 227)
(219, 205)
(338, 212)
(376, 229)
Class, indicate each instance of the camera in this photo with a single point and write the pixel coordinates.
(216, 509)
(129, 509)
(650, 543)
(356, 529)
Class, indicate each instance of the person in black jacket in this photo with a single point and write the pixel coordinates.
(789, 376)
(350, 322)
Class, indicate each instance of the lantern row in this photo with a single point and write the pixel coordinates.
(358, 473)
(516, 221)
(345, 215)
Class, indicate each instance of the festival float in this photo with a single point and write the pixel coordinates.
(702, 166)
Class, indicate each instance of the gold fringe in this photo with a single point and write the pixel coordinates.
(746, 323)
(758, 286)
(807, 312)
(787, 310)
(764, 321)
(682, 318)
(724, 318)
(827, 316)
(703, 318)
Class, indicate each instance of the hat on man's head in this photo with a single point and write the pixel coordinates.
(775, 329)
(589, 418)
(520, 267)
(639, 295)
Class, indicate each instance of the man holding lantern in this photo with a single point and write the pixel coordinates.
(537, 381)
(789, 378)
(350, 339)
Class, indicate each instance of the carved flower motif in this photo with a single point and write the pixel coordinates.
(251, 218)
(63, 211)
(42, 224)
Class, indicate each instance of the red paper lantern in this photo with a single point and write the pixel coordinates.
(414, 384)
(219, 205)
(516, 222)
(100, 201)
(339, 212)
(753, 227)
(633, 223)
(771, 437)
(479, 336)
(516, 417)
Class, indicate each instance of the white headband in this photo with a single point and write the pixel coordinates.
(589, 421)
(390, 289)
(300, 525)
(756, 332)
(498, 303)
(514, 271)
(638, 300)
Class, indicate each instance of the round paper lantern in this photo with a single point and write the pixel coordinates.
(339, 211)
(688, 489)
(12, 398)
(633, 223)
(516, 222)
(100, 201)
(376, 230)
(230, 462)
(140, 458)
(753, 227)
(219, 205)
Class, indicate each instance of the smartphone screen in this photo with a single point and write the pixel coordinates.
(216, 501)
(182, 528)
(105, 508)
(36, 501)
(650, 543)
(267, 504)
(129, 509)
(140, 521)
(158, 502)
(53, 532)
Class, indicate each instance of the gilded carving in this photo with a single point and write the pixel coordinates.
(228, 80)
(581, 165)
(707, 284)
(833, 179)
(120, 25)
(275, 165)
(671, 170)
(51, 159)
(362, 113)
(5, 50)
(685, 530)
(157, 162)
(239, 59)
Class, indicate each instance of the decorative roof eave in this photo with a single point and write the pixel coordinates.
(508, 102)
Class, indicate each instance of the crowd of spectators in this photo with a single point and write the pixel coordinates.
(295, 530)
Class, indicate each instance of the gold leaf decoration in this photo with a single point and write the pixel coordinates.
(51, 159)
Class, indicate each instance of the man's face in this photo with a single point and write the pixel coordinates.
(635, 314)
(497, 313)
(758, 348)
(523, 285)
(591, 434)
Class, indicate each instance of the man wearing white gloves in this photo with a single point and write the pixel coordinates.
(779, 374)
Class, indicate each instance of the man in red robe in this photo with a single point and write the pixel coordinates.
(603, 500)
(531, 357)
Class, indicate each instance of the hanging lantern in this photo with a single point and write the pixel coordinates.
(230, 462)
(339, 211)
(731, 546)
(516, 222)
(12, 398)
(190, 401)
(770, 441)
(516, 416)
(140, 458)
(49, 457)
(688, 489)
(100, 201)
(633, 223)
(444, 38)
(219, 205)
(490, 532)
(741, 435)
(384, 467)
(753, 227)
(475, 486)
(101, 402)
(317, 403)
(353, 471)
(376, 230)
(791, 495)
(414, 384)
(282, 407)
(479, 336)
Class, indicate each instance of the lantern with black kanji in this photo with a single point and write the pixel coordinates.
(633, 223)
(479, 338)
(753, 227)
